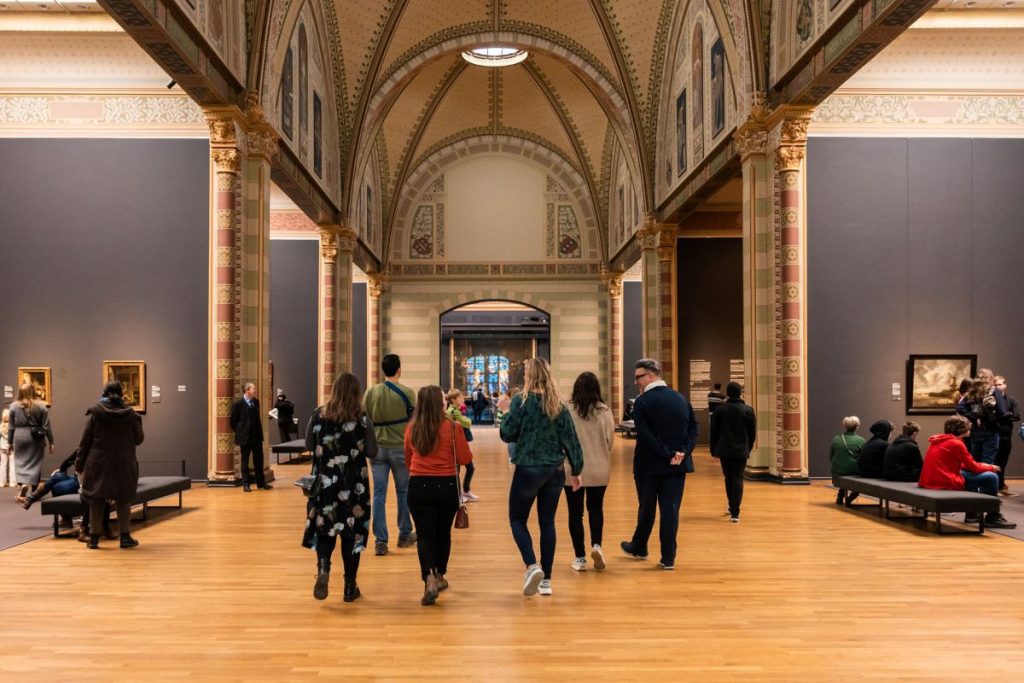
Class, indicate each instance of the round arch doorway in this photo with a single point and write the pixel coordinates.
(485, 344)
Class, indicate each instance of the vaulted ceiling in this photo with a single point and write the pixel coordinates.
(590, 79)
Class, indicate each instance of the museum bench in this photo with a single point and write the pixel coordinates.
(149, 489)
(925, 500)
(290, 448)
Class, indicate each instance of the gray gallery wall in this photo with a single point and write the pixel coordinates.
(710, 311)
(359, 331)
(294, 271)
(104, 257)
(914, 246)
(632, 335)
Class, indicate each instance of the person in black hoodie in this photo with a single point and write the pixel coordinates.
(733, 431)
(873, 454)
(903, 460)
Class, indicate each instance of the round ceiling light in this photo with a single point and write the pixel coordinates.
(495, 55)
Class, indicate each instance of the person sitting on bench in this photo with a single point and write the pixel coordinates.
(60, 483)
(948, 466)
(903, 456)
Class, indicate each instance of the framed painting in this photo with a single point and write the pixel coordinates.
(132, 376)
(933, 380)
(40, 379)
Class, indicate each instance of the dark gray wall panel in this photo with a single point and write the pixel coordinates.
(913, 246)
(710, 311)
(105, 257)
(294, 293)
(632, 335)
(359, 332)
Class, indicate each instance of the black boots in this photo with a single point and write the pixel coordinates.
(351, 591)
(94, 541)
(430, 590)
(127, 541)
(323, 576)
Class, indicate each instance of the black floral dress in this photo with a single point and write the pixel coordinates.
(341, 507)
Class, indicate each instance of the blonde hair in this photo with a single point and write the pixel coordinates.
(851, 423)
(452, 397)
(538, 380)
(27, 395)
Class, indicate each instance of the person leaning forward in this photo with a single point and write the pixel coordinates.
(246, 422)
(666, 435)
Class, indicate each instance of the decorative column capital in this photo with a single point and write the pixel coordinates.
(347, 240)
(792, 142)
(789, 157)
(328, 245)
(655, 235)
(226, 159)
(378, 284)
(225, 125)
(612, 281)
(751, 139)
(262, 142)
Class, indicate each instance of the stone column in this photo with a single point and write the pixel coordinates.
(377, 285)
(613, 283)
(758, 289)
(226, 136)
(328, 329)
(658, 244)
(790, 310)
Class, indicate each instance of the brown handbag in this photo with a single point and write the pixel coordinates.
(462, 514)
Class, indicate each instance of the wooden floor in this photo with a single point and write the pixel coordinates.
(799, 591)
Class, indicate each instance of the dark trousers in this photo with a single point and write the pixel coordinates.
(544, 484)
(468, 477)
(325, 547)
(433, 502)
(286, 431)
(1003, 456)
(732, 471)
(256, 451)
(664, 493)
(98, 516)
(594, 498)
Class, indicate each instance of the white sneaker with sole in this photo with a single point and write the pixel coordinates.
(545, 587)
(534, 575)
(469, 496)
(579, 564)
(597, 555)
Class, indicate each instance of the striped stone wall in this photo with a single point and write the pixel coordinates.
(578, 310)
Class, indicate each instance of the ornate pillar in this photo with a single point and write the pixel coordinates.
(226, 136)
(758, 288)
(337, 244)
(378, 283)
(658, 255)
(790, 310)
(613, 283)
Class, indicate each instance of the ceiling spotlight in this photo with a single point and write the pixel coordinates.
(495, 55)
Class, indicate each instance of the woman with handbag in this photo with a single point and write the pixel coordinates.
(457, 413)
(844, 455)
(340, 435)
(27, 433)
(434, 448)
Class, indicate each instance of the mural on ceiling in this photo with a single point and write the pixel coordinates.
(366, 210)
(222, 25)
(698, 108)
(299, 93)
(562, 229)
(796, 26)
(426, 239)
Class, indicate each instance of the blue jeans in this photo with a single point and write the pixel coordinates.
(59, 484)
(544, 484)
(390, 460)
(983, 482)
(985, 446)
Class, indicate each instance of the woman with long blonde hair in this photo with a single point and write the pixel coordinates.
(28, 430)
(434, 443)
(541, 427)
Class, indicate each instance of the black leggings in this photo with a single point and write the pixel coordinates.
(594, 496)
(470, 469)
(325, 546)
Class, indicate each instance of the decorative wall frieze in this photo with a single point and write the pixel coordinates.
(67, 114)
(919, 113)
(494, 270)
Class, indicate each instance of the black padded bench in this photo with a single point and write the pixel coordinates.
(290, 448)
(926, 500)
(150, 488)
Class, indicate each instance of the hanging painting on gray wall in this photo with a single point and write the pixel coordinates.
(717, 88)
(933, 382)
(681, 133)
(132, 376)
(39, 378)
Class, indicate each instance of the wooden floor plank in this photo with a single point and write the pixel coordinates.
(800, 590)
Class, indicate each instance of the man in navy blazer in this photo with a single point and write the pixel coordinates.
(666, 433)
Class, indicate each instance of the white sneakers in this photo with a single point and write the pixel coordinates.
(534, 577)
(598, 557)
(469, 497)
(545, 587)
(579, 564)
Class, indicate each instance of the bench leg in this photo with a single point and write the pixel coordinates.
(179, 500)
(887, 515)
(145, 509)
(56, 526)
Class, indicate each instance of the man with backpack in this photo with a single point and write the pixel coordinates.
(390, 405)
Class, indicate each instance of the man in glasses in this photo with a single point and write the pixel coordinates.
(666, 433)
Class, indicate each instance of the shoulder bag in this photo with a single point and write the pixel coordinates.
(408, 408)
(462, 514)
(312, 483)
(38, 433)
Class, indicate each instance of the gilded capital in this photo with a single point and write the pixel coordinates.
(612, 281)
(378, 283)
(328, 245)
(789, 157)
(226, 159)
(224, 128)
(794, 130)
(750, 140)
(262, 142)
(347, 239)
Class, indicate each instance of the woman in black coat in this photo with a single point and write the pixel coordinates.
(873, 453)
(106, 460)
(903, 460)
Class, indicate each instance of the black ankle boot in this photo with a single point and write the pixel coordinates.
(323, 576)
(840, 496)
(351, 591)
(127, 541)
(94, 541)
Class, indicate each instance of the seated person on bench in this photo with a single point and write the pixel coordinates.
(948, 466)
(869, 464)
(60, 483)
(903, 456)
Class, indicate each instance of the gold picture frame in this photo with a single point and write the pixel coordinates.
(132, 376)
(40, 379)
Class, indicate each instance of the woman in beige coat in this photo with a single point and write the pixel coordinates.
(595, 428)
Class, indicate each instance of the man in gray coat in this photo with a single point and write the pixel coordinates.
(733, 431)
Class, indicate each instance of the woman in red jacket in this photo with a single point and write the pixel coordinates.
(433, 445)
(949, 466)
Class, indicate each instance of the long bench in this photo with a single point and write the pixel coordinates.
(149, 489)
(290, 448)
(926, 500)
